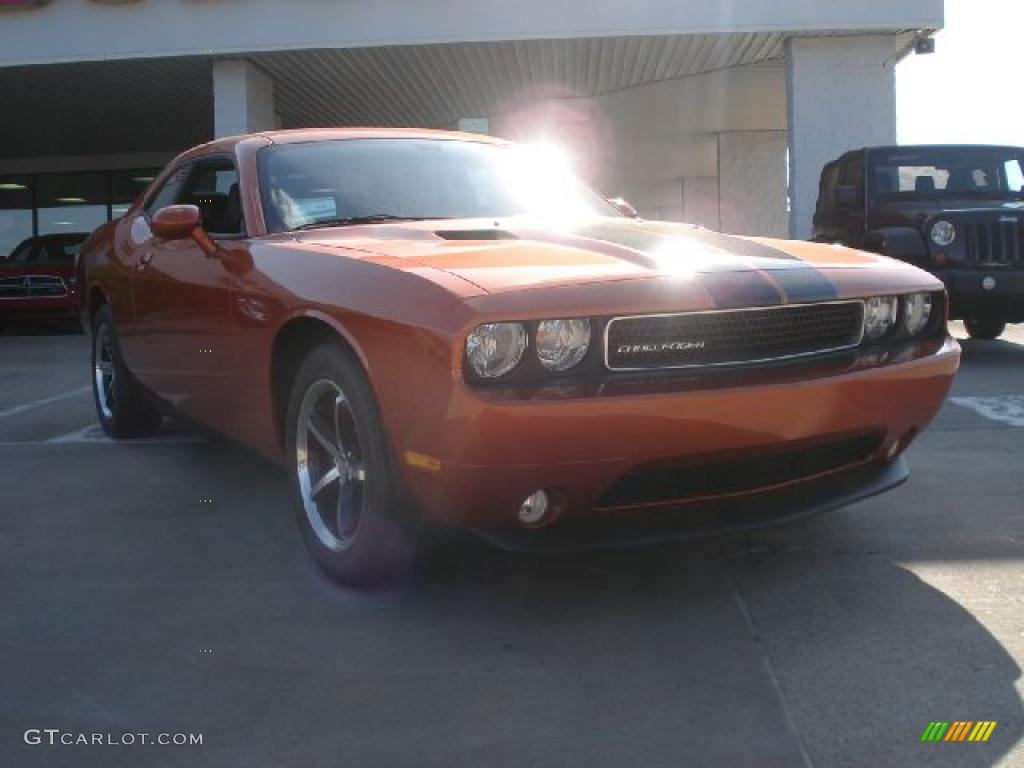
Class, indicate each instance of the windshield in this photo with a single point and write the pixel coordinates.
(359, 180)
(946, 172)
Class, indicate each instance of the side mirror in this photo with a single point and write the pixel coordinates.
(176, 222)
(845, 196)
(623, 207)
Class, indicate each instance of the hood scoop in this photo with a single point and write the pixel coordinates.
(475, 234)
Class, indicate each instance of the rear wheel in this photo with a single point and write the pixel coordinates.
(984, 329)
(121, 408)
(346, 488)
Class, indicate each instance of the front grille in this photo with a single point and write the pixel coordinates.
(994, 242)
(702, 480)
(32, 286)
(732, 336)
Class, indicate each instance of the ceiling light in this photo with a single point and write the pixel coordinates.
(70, 199)
(12, 187)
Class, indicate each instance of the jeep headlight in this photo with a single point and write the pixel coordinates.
(561, 344)
(879, 316)
(943, 233)
(917, 311)
(494, 349)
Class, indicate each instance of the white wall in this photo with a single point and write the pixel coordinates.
(752, 183)
(243, 99)
(75, 30)
(842, 95)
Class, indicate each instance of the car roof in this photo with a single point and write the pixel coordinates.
(299, 135)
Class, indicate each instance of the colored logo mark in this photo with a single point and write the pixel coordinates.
(959, 730)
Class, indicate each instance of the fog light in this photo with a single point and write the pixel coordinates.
(534, 508)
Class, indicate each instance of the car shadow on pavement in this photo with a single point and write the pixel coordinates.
(863, 652)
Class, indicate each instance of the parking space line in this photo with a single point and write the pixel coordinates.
(94, 434)
(45, 401)
(1008, 409)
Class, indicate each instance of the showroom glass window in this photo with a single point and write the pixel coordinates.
(125, 187)
(72, 202)
(15, 212)
(65, 203)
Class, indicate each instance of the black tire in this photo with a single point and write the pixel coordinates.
(376, 547)
(984, 330)
(122, 409)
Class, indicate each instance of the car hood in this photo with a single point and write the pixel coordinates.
(522, 253)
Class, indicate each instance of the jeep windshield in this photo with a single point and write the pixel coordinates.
(944, 173)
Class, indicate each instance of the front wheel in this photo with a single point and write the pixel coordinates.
(346, 488)
(121, 408)
(985, 330)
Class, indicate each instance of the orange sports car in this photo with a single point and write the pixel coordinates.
(427, 326)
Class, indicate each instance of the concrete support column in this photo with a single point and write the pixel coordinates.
(842, 95)
(752, 183)
(243, 99)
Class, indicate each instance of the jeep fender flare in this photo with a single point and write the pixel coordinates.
(903, 243)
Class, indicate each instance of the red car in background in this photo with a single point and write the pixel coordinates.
(37, 281)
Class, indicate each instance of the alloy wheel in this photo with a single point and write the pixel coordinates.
(104, 371)
(330, 465)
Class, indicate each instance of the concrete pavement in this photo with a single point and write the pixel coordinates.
(130, 605)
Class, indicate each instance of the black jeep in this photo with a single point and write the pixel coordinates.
(956, 211)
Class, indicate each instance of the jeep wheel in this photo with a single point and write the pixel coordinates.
(121, 408)
(346, 489)
(984, 329)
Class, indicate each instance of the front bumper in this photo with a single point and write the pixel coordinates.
(970, 300)
(709, 518)
(479, 458)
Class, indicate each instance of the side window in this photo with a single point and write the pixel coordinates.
(827, 189)
(170, 192)
(851, 173)
(213, 188)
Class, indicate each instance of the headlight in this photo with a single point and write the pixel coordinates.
(917, 310)
(495, 349)
(943, 233)
(879, 316)
(561, 344)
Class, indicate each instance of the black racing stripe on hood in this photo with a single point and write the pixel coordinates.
(735, 290)
(757, 275)
(803, 286)
(654, 236)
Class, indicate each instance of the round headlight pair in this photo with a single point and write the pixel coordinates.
(943, 233)
(494, 349)
(881, 312)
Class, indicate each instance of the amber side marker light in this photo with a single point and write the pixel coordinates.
(422, 461)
